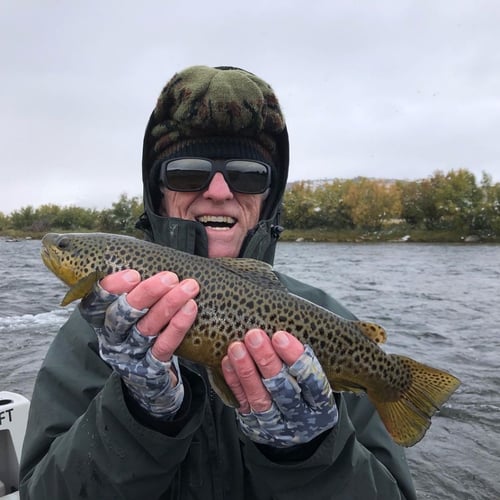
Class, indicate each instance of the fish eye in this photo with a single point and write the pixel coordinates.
(63, 243)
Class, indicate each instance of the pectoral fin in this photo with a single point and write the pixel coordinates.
(82, 287)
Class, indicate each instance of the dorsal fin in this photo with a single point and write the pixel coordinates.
(372, 331)
(257, 272)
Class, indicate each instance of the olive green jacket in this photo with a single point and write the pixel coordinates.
(85, 439)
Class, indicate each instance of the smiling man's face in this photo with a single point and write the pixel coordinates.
(226, 215)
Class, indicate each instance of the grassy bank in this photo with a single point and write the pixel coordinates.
(17, 234)
(400, 234)
(392, 234)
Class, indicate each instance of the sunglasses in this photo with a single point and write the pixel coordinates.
(195, 174)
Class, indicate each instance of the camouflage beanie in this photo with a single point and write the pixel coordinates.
(214, 112)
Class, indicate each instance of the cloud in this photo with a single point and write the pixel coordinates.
(394, 89)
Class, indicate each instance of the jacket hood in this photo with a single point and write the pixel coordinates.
(190, 236)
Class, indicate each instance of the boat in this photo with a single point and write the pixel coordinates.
(14, 409)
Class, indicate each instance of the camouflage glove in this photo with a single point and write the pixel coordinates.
(303, 406)
(129, 353)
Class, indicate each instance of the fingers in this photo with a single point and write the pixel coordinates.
(263, 353)
(287, 347)
(233, 381)
(162, 294)
(245, 380)
(172, 310)
(166, 297)
(121, 281)
(171, 337)
(248, 362)
(144, 294)
(170, 305)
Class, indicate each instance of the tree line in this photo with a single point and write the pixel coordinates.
(451, 201)
(120, 218)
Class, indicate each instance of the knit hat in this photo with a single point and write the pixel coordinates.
(219, 112)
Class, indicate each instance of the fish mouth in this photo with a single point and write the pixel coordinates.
(52, 258)
(217, 222)
(49, 259)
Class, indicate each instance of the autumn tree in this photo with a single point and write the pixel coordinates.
(453, 200)
(331, 210)
(488, 213)
(4, 221)
(122, 216)
(76, 217)
(371, 202)
(299, 205)
(411, 197)
(23, 218)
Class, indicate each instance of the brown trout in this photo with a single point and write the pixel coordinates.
(239, 294)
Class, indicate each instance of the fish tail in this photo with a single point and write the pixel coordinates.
(408, 418)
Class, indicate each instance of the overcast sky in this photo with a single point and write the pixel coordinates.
(390, 89)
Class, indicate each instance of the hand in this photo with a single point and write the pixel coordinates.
(139, 325)
(284, 395)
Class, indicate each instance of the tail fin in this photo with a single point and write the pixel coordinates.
(408, 418)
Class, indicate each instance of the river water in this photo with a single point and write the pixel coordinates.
(440, 304)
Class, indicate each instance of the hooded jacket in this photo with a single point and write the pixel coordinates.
(87, 439)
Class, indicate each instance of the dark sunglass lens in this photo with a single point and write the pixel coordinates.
(187, 174)
(248, 177)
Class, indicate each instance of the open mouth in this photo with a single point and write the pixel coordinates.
(220, 222)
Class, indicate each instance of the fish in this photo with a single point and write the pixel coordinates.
(238, 294)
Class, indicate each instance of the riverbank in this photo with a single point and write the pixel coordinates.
(393, 234)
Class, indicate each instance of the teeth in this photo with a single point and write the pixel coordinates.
(219, 219)
(217, 222)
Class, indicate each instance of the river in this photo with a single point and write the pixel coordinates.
(440, 304)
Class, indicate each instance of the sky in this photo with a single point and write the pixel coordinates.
(393, 89)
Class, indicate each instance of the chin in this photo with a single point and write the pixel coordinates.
(222, 249)
(221, 252)
(223, 244)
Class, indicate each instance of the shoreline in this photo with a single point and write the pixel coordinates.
(386, 236)
(322, 235)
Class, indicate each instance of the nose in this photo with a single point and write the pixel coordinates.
(218, 189)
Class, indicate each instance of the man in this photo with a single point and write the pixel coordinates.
(116, 415)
